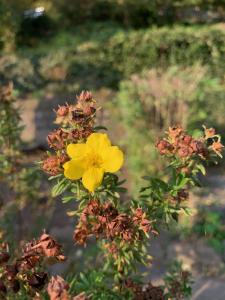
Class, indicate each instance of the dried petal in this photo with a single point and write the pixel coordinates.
(58, 289)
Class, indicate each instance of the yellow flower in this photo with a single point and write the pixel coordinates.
(91, 160)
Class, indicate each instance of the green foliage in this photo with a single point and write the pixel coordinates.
(153, 100)
(20, 180)
(178, 282)
(95, 286)
(210, 225)
(126, 13)
(131, 13)
(162, 47)
(104, 54)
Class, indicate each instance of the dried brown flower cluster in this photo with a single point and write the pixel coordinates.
(58, 289)
(181, 144)
(26, 269)
(77, 121)
(185, 146)
(80, 114)
(146, 292)
(104, 220)
(52, 165)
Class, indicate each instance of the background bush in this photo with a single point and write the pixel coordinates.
(151, 101)
(106, 54)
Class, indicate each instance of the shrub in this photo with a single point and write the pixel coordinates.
(140, 13)
(110, 55)
(18, 180)
(131, 51)
(152, 100)
(83, 164)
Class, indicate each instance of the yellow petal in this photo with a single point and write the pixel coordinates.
(73, 169)
(112, 159)
(98, 141)
(92, 178)
(76, 151)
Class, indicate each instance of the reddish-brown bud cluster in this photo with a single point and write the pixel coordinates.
(77, 121)
(181, 144)
(140, 219)
(52, 165)
(63, 110)
(146, 292)
(81, 114)
(58, 289)
(63, 114)
(104, 220)
(86, 103)
(25, 270)
(209, 133)
(46, 246)
(164, 147)
(217, 147)
(60, 138)
(57, 139)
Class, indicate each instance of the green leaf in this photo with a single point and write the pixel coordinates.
(97, 128)
(60, 187)
(67, 199)
(201, 169)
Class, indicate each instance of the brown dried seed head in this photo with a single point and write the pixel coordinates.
(175, 131)
(52, 165)
(209, 132)
(58, 289)
(85, 96)
(62, 111)
(217, 147)
(164, 147)
(80, 235)
(57, 139)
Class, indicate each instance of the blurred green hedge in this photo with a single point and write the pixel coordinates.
(103, 57)
(129, 52)
(127, 13)
(136, 14)
(149, 102)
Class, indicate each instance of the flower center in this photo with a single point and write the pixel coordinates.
(95, 160)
